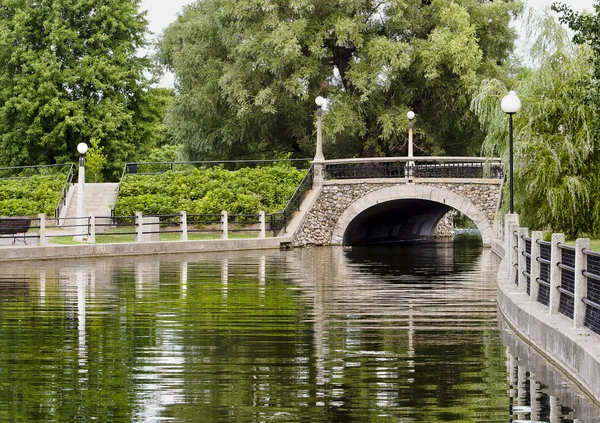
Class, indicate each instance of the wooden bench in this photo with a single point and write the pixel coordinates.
(14, 226)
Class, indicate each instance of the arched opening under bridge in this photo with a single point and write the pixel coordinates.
(401, 213)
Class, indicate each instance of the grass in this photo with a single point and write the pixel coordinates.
(595, 244)
(124, 235)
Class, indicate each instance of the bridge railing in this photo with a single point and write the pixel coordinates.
(563, 278)
(281, 220)
(414, 167)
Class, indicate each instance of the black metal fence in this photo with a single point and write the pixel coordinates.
(281, 220)
(544, 278)
(418, 167)
(527, 272)
(152, 168)
(592, 300)
(560, 284)
(62, 202)
(567, 282)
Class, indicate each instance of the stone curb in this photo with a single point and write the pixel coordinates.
(52, 252)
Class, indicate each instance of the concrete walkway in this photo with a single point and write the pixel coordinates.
(20, 251)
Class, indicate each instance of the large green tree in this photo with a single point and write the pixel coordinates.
(247, 72)
(557, 155)
(69, 73)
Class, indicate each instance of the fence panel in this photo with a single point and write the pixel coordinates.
(544, 281)
(592, 313)
(527, 271)
(567, 283)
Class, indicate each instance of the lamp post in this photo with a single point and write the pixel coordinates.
(82, 149)
(318, 165)
(410, 115)
(320, 102)
(511, 104)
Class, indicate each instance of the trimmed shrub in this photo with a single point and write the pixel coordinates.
(209, 191)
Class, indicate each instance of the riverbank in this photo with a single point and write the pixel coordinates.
(575, 351)
(50, 252)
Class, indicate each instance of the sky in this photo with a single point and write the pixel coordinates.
(162, 12)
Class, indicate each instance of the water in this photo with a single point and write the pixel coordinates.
(396, 334)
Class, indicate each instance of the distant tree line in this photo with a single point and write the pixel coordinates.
(247, 72)
(69, 73)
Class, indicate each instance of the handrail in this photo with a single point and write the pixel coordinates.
(63, 194)
(128, 166)
(118, 189)
(591, 252)
(494, 160)
(421, 167)
(293, 203)
(17, 168)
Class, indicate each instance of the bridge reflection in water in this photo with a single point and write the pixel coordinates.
(405, 333)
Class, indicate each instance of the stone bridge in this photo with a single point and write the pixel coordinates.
(363, 201)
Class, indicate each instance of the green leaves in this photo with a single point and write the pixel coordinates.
(30, 196)
(209, 191)
(69, 73)
(247, 73)
(556, 153)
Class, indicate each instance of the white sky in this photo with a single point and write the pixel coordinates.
(162, 12)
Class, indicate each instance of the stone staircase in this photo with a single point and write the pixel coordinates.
(98, 201)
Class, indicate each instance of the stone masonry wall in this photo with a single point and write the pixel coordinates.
(320, 221)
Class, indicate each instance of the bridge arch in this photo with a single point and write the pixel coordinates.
(417, 194)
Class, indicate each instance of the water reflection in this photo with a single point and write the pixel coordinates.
(304, 335)
(411, 260)
(538, 391)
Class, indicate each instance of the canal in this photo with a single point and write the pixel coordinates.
(406, 333)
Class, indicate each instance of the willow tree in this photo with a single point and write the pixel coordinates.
(557, 156)
(70, 73)
(247, 72)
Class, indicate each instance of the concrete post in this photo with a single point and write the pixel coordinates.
(42, 230)
(509, 219)
(319, 173)
(511, 252)
(139, 228)
(183, 236)
(224, 225)
(522, 397)
(535, 399)
(580, 281)
(536, 269)
(92, 236)
(512, 376)
(522, 260)
(263, 225)
(555, 272)
(555, 410)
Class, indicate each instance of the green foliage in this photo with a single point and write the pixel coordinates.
(30, 196)
(166, 153)
(95, 162)
(247, 74)
(70, 73)
(557, 156)
(209, 191)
